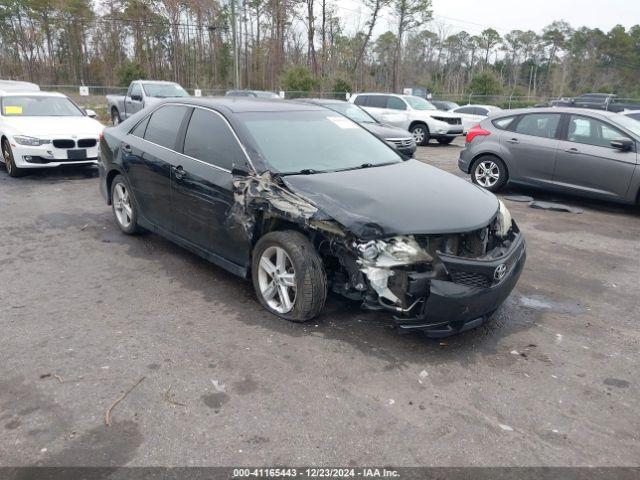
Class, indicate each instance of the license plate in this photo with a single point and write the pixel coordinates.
(79, 154)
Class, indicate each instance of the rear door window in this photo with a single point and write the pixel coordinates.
(210, 140)
(361, 100)
(377, 101)
(164, 125)
(466, 110)
(395, 103)
(539, 125)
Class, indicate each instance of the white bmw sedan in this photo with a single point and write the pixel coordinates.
(45, 130)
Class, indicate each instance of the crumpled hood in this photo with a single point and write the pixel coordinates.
(45, 126)
(401, 199)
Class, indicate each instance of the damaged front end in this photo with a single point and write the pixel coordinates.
(439, 284)
(443, 284)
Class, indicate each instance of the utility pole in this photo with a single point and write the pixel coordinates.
(236, 72)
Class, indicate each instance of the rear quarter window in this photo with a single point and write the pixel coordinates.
(503, 123)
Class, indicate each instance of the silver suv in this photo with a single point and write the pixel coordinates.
(412, 113)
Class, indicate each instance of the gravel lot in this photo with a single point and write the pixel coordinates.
(86, 312)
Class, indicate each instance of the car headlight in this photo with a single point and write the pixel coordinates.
(30, 141)
(503, 220)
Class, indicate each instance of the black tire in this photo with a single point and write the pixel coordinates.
(132, 227)
(484, 162)
(445, 141)
(9, 162)
(310, 277)
(115, 116)
(420, 133)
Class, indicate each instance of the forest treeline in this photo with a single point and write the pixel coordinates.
(306, 45)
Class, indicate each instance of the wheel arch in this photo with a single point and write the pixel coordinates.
(475, 159)
(419, 122)
(113, 173)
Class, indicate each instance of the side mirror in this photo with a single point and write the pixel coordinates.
(623, 144)
(91, 113)
(137, 98)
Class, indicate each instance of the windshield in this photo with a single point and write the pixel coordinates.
(418, 103)
(164, 90)
(39, 106)
(314, 142)
(352, 111)
(628, 123)
(265, 94)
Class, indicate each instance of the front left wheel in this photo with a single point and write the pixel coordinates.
(420, 133)
(9, 162)
(288, 276)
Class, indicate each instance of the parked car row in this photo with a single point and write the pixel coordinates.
(316, 195)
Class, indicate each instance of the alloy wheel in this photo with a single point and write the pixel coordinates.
(122, 205)
(6, 155)
(418, 134)
(277, 279)
(487, 173)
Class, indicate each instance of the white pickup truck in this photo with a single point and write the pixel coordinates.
(141, 94)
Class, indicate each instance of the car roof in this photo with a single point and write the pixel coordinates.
(490, 107)
(31, 94)
(321, 101)
(17, 85)
(375, 93)
(167, 82)
(241, 104)
(577, 111)
(630, 111)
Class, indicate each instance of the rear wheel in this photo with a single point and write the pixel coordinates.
(9, 162)
(115, 116)
(489, 172)
(420, 133)
(445, 141)
(288, 276)
(124, 208)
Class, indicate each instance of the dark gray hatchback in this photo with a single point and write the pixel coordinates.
(586, 152)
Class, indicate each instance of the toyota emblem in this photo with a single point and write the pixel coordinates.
(500, 272)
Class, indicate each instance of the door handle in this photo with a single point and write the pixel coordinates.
(126, 148)
(572, 150)
(179, 172)
(513, 140)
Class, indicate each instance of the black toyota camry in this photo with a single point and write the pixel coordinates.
(303, 200)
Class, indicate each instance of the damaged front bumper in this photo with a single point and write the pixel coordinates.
(475, 289)
(460, 294)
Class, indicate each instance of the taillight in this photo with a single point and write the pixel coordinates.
(477, 131)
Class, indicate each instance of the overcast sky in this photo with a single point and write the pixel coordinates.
(504, 15)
